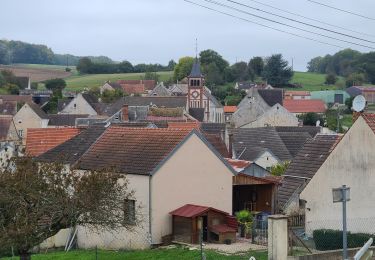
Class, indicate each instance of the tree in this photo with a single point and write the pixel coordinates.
(331, 79)
(208, 57)
(38, 200)
(109, 96)
(12, 89)
(280, 168)
(256, 65)
(171, 65)
(349, 103)
(183, 67)
(311, 118)
(125, 67)
(84, 65)
(238, 72)
(213, 75)
(355, 79)
(276, 71)
(56, 85)
(152, 75)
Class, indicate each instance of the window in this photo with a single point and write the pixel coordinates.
(20, 133)
(75, 105)
(129, 212)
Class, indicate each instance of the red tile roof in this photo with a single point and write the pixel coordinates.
(230, 109)
(40, 140)
(190, 211)
(138, 150)
(238, 165)
(370, 120)
(184, 125)
(133, 88)
(148, 84)
(304, 105)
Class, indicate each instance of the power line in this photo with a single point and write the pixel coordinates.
(266, 26)
(341, 10)
(284, 24)
(296, 21)
(312, 19)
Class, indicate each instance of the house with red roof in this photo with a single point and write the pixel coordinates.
(40, 140)
(166, 168)
(350, 162)
(228, 112)
(303, 106)
(297, 94)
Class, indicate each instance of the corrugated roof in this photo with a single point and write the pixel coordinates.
(40, 140)
(191, 211)
(305, 105)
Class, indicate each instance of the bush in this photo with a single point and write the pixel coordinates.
(328, 239)
(331, 79)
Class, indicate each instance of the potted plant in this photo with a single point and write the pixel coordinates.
(245, 219)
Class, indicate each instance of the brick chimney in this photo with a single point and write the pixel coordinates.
(125, 113)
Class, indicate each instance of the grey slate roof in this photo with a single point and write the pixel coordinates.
(64, 119)
(8, 107)
(311, 130)
(197, 113)
(255, 140)
(213, 128)
(353, 91)
(304, 166)
(70, 151)
(37, 110)
(196, 69)
(272, 96)
(294, 141)
(161, 91)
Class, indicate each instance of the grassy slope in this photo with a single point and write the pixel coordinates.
(165, 254)
(91, 80)
(311, 81)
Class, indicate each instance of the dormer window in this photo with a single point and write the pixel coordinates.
(75, 105)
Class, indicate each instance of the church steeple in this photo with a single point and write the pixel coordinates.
(196, 70)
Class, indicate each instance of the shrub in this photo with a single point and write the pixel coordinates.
(328, 239)
(331, 79)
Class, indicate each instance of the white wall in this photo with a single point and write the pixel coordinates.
(122, 238)
(352, 163)
(192, 175)
(79, 105)
(267, 160)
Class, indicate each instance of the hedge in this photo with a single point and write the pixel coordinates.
(328, 239)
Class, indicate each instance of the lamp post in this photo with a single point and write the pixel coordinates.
(342, 194)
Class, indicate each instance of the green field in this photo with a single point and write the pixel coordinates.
(311, 81)
(79, 82)
(154, 254)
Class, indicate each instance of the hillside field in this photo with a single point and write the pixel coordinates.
(80, 82)
(311, 81)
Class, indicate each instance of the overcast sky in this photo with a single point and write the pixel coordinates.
(155, 31)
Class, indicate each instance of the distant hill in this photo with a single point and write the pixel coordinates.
(14, 52)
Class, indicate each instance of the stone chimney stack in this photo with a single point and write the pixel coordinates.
(125, 113)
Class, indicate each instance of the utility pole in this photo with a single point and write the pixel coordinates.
(292, 64)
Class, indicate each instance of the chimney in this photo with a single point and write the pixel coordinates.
(125, 113)
(29, 83)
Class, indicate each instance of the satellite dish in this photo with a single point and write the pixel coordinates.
(359, 103)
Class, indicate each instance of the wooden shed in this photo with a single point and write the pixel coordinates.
(190, 220)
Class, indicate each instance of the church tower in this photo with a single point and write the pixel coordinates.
(196, 86)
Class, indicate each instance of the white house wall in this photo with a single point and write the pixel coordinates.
(351, 163)
(192, 175)
(79, 105)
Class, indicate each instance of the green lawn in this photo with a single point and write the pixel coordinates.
(44, 66)
(155, 254)
(79, 82)
(311, 81)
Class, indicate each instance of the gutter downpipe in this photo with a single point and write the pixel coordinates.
(149, 209)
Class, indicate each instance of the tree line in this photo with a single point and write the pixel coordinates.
(88, 66)
(21, 52)
(356, 67)
(274, 69)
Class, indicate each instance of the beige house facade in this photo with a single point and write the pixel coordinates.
(351, 163)
(79, 105)
(29, 116)
(192, 173)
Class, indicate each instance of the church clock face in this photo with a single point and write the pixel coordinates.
(195, 94)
